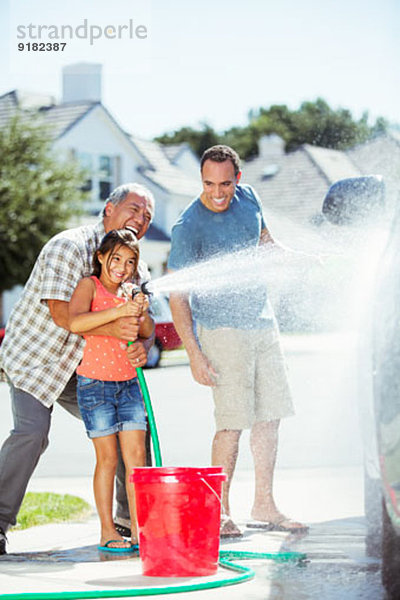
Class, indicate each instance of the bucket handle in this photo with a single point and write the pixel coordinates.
(212, 490)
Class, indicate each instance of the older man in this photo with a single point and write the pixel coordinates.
(236, 350)
(39, 355)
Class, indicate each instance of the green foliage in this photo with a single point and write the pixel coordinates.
(313, 123)
(199, 140)
(39, 508)
(243, 139)
(38, 195)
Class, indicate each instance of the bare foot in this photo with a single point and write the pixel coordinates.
(113, 539)
(115, 543)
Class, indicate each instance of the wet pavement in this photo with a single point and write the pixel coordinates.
(64, 557)
(318, 480)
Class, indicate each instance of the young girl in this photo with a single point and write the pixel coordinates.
(109, 397)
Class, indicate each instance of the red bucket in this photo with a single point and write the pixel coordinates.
(179, 514)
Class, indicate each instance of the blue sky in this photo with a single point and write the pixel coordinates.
(213, 61)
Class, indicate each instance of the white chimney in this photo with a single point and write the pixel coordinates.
(271, 147)
(82, 82)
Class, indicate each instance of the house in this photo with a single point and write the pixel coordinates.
(292, 186)
(172, 187)
(381, 155)
(81, 126)
(183, 157)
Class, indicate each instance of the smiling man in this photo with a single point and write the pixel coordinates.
(39, 354)
(231, 335)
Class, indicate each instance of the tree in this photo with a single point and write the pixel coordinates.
(199, 140)
(38, 195)
(243, 139)
(313, 123)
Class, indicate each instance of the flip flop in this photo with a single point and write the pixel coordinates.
(108, 548)
(278, 526)
(229, 529)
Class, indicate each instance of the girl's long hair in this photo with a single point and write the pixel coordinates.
(113, 240)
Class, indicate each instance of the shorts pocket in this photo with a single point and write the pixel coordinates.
(86, 382)
(90, 393)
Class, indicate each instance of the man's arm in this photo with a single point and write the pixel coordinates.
(59, 312)
(123, 328)
(202, 370)
(293, 257)
(266, 238)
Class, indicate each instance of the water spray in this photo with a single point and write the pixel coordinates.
(244, 269)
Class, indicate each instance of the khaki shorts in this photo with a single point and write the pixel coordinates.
(252, 383)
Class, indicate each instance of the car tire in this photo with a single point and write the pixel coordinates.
(390, 557)
(154, 355)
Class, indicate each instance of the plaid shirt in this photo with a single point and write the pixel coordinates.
(38, 356)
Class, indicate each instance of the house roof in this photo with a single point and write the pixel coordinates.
(62, 117)
(8, 106)
(381, 156)
(59, 117)
(162, 172)
(334, 164)
(172, 151)
(295, 184)
(156, 165)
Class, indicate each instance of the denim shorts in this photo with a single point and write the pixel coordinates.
(110, 406)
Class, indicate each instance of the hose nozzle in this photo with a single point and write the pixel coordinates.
(143, 288)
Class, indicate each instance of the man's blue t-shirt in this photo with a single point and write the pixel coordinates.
(200, 235)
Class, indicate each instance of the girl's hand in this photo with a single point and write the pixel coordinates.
(142, 302)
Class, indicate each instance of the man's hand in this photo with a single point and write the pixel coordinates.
(137, 354)
(202, 370)
(125, 328)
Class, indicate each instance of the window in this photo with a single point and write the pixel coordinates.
(102, 178)
(86, 162)
(105, 189)
(106, 176)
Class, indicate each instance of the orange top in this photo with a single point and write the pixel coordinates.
(105, 357)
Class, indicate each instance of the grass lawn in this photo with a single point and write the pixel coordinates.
(39, 508)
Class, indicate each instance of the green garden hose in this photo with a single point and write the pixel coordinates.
(150, 417)
(244, 574)
(225, 556)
